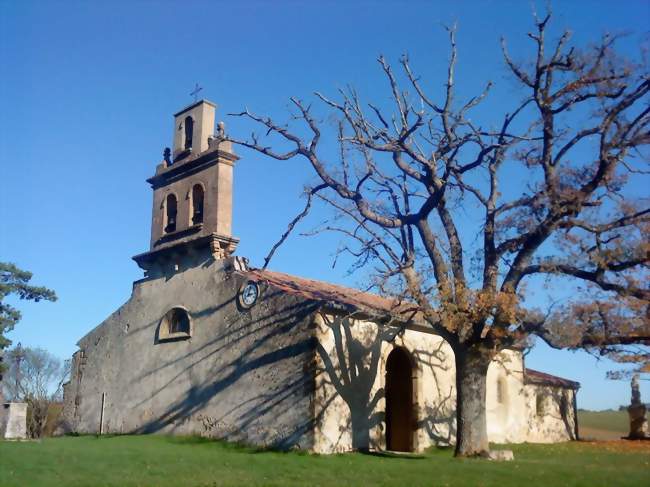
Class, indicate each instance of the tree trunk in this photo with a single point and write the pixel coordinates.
(471, 425)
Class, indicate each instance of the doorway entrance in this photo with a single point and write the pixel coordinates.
(399, 401)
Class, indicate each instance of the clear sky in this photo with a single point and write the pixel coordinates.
(87, 93)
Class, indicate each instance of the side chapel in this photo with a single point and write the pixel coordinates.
(207, 345)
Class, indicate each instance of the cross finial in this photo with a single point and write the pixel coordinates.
(195, 92)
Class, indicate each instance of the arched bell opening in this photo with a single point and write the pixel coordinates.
(171, 210)
(197, 204)
(189, 132)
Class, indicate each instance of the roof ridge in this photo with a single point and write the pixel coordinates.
(550, 378)
(329, 292)
(320, 281)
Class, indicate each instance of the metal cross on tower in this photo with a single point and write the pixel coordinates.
(195, 92)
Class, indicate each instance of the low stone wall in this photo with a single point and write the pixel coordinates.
(14, 419)
(3, 419)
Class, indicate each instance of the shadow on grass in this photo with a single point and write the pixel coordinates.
(106, 436)
(392, 454)
(243, 448)
(235, 447)
(228, 445)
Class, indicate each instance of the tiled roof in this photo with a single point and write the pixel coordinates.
(368, 302)
(541, 378)
(331, 293)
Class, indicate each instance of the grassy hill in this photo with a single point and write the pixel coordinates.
(603, 425)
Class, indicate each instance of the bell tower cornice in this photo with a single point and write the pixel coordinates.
(168, 173)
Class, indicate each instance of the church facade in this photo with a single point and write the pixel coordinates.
(207, 345)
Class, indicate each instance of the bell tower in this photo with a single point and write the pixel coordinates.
(192, 195)
(194, 125)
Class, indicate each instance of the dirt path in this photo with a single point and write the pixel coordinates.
(621, 445)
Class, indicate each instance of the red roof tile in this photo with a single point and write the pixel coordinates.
(536, 377)
(362, 301)
(330, 293)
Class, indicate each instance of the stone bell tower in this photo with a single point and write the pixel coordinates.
(192, 195)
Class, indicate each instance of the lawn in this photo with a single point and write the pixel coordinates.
(189, 461)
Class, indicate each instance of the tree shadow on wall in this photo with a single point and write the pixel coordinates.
(352, 371)
(351, 368)
(245, 352)
(438, 419)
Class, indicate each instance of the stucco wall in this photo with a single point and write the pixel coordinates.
(514, 417)
(507, 416)
(350, 385)
(555, 421)
(350, 391)
(244, 374)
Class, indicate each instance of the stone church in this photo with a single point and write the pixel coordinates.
(206, 345)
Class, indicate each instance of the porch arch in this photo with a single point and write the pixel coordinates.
(400, 404)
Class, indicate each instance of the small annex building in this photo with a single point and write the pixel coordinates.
(206, 345)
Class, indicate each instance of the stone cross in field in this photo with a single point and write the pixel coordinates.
(637, 412)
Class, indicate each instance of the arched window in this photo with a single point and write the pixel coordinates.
(179, 321)
(501, 390)
(171, 209)
(540, 404)
(175, 325)
(197, 204)
(189, 129)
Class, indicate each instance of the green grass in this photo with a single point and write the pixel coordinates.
(616, 421)
(169, 461)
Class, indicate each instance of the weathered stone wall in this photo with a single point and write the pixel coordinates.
(243, 375)
(556, 420)
(350, 401)
(350, 398)
(4, 409)
(507, 412)
(15, 421)
(513, 415)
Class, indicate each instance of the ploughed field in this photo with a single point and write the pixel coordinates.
(190, 461)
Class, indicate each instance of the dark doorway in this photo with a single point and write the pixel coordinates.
(399, 401)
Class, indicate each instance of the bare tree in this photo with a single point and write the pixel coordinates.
(36, 377)
(407, 177)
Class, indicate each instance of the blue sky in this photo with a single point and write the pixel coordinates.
(87, 93)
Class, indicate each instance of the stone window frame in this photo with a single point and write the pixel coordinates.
(164, 326)
(501, 391)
